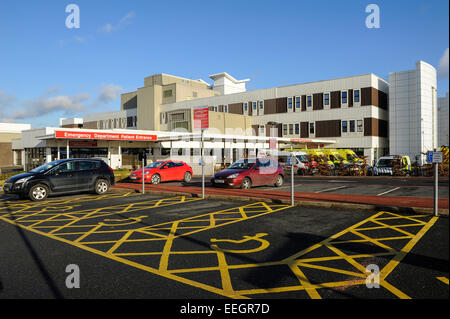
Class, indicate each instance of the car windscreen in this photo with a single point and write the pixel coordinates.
(302, 158)
(45, 167)
(385, 162)
(154, 165)
(242, 164)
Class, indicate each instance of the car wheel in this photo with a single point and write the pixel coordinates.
(38, 192)
(279, 181)
(246, 183)
(187, 177)
(101, 186)
(156, 179)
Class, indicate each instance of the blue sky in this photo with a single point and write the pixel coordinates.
(48, 71)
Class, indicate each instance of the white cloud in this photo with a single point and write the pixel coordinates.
(75, 39)
(5, 99)
(46, 105)
(109, 92)
(107, 28)
(443, 65)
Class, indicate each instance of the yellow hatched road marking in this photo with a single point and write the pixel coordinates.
(443, 279)
(171, 231)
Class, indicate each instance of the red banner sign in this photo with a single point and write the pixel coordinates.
(104, 136)
(273, 143)
(201, 118)
(300, 140)
(83, 143)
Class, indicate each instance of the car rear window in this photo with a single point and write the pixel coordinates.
(88, 165)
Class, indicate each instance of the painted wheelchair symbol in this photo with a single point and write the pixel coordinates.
(122, 222)
(258, 237)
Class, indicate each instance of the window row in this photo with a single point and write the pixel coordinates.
(297, 101)
(347, 126)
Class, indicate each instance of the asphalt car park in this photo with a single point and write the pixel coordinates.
(129, 245)
(378, 186)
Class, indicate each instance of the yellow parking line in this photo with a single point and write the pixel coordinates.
(443, 279)
(398, 258)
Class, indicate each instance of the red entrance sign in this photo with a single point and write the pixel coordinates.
(104, 136)
(300, 140)
(201, 118)
(82, 143)
(273, 143)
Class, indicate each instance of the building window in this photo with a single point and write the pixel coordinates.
(177, 117)
(291, 129)
(225, 108)
(261, 105)
(344, 97)
(262, 130)
(298, 102)
(352, 126)
(360, 125)
(285, 129)
(254, 107)
(311, 128)
(289, 103)
(297, 128)
(194, 94)
(344, 126)
(245, 107)
(167, 93)
(326, 98)
(356, 96)
(309, 101)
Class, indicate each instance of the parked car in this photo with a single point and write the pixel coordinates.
(246, 173)
(303, 164)
(393, 165)
(62, 177)
(163, 171)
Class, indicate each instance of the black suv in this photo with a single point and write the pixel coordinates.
(61, 177)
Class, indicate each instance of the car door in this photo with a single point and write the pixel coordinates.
(167, 172)
(267, 172)
(180, 170)
(63, 178)
(257, 175)
(84, 175)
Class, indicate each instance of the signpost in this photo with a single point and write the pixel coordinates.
(435, 158)
(201, 121)
(143, 156)
(290, 161)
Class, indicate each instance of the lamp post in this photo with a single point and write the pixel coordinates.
(292, 159)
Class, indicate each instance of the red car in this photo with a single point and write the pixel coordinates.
(246, 173)
(163, 171)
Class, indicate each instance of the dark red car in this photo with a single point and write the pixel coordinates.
(163, 171)
(246, 173)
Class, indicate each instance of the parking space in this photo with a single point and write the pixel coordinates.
(238, 249)
(371, 186)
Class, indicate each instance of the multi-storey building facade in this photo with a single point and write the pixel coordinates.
(443, 117)
(413, 112)
(363, 112)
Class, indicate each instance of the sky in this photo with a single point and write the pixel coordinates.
(49, 71)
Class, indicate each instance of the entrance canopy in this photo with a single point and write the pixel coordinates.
(95, 135)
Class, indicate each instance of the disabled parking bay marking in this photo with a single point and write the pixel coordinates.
(130, 241)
